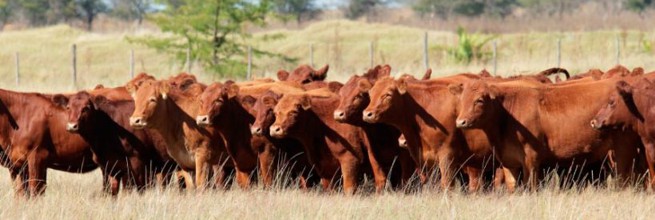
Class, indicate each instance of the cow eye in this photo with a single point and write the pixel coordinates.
(152, 99)
(218, 101)
(479, 101)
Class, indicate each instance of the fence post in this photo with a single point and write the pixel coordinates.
(17, 69)
(249, 75)
(425, 50)
(559, 52)
(370, 53)
(618, 50)
(495, 57)
(74, 51)
(188, 59)
(311, 54)
(131, 63)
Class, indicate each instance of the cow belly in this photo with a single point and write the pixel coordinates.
(184, 158)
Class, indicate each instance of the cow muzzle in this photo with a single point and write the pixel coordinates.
(203, 120)
(370, 117)
(72, 127)
(463, 123)
(256, 130)
(138, 122)
(277, 132)
(595, 124)
(340, 116)
(402, 142)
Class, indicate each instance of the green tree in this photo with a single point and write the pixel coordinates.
(35, 11)
(637, 5)
(131, 9)
(434, 8)
(299, 9)
(6, 9)
(359, 8)
(212, 30)
(89, 10)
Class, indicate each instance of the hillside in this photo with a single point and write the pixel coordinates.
(45, 53)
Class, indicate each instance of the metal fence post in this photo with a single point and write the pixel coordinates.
(559, 52)
(495, 57)
(618, 50)
(425, 51)
(17, 69)
(188, 59)
(74, 51)
(311, 54)
(370, 53)
(249, 75)
(132, 64)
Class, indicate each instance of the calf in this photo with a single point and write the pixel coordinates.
(122, 152)
(33, 138)
(629, 108)
(382, 148)
(330, 146)
(535, 125)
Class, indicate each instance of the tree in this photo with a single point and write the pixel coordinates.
(434, 8)
(358, 8)
(89, 9)
(297, 8)
(34, 11)
(212, 30)
(637, 5)
(131, 9)
(6, 9)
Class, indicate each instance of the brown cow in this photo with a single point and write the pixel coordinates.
(533, 125)
(122, 153)
(629, 108)
(383, 149)
(424, 111)
(303, 74)
(171, 112)
(330, 146)
(33, 137)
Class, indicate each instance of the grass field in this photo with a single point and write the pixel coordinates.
(75, 196)
(45, 53)
(45, 66)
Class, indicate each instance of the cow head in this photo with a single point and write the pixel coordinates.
(80, 108)
(477, 102)
(621, 108)
(291, 110)
(136, 82)
(264, 114)
(214, 99)
(149, 102)
(386, 98)
(304, 74)
(182, 81)
(354, 94)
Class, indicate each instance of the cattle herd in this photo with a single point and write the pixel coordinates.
(487, 131)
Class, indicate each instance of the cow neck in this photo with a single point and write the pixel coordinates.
(318, 130)
(103, 128)
(642, 102)
(178, 110)
(8, 100)
(233, 123)
(418, 122)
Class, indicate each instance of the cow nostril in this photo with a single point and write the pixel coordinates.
(278, 129)
(137, 121)
(369, 114)
(341, 114)
(258, 130)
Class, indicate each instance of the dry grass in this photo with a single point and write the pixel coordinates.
(76, 196)
(104, 57)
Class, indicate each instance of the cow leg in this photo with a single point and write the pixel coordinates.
(446, 168)
(185, 179)
(18, 178)
(202, 171)
(475, 177)
(37, 173)
(243, 178)
(326, 184)
(499, 178)
(379, 173)
(114, 184)
(349, 173)
(511, 176)
(649, 151)
(138, 174)
(407, 167)
(266, 165)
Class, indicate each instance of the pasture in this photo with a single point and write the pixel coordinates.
(79, 197)
(103, 58)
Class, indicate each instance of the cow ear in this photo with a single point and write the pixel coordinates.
(335, 86)
(248, 101)
(384, 71)
(98, 100)
(60, 100)
(282, 75)
(596, 74)
(232, 89)
(401, 85)
(99, 86)
(184, 85)
(493, 91)
(164, 89)
(456, 89)
(638, 71)
(428, 74)
(484, 73)
(268, 100)
(305, 102)
(364, 85)
(624, 88)
(321, 73)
